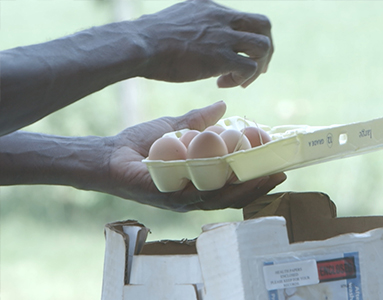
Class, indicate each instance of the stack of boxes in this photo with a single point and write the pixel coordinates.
(290, 246)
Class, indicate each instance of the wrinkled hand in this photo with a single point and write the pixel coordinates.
(132, 179)
(199, 39)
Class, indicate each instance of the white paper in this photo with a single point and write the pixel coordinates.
(294, 274)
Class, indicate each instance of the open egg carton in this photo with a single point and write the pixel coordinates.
(291, 147)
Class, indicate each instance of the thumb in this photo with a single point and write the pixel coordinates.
(201, 118)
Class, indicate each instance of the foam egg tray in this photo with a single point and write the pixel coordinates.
(291, 147)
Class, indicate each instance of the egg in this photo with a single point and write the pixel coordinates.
(215, 128)
(256, 136)
(206, 144)
(167, 148)
(235, 140)
(188, 136)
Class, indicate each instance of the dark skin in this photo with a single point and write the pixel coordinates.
(232, 33)
(192, 40)
(130, 172)
(114, 164)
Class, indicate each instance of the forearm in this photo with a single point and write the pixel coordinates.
(191, 40)
(39, 79)
(29, 158)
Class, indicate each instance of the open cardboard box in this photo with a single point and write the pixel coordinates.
(290, 246)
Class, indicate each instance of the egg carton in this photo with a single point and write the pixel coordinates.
(291, 147)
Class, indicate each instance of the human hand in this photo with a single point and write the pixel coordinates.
(199, 39)
(130, 179)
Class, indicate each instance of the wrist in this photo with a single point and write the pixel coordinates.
(86, 163)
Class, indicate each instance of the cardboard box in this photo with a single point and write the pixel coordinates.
(291, 246)
(133, 271)
(253, 259)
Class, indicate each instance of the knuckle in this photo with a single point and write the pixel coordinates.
(238, 22)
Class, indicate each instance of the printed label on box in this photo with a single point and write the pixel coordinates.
(336, 269)
(337, 278)
(299, 273)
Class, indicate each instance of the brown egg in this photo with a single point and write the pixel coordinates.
(188, 136)
(256, 136)
(206, 144)
(235, 140)
(215, 128)
(167, 148)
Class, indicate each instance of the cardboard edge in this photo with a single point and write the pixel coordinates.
(139, 239)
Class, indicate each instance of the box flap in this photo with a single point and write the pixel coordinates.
(309, 216)
(132, 235)
(165, 270)
(114, 265)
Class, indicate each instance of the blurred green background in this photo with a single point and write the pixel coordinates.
(327, 69)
